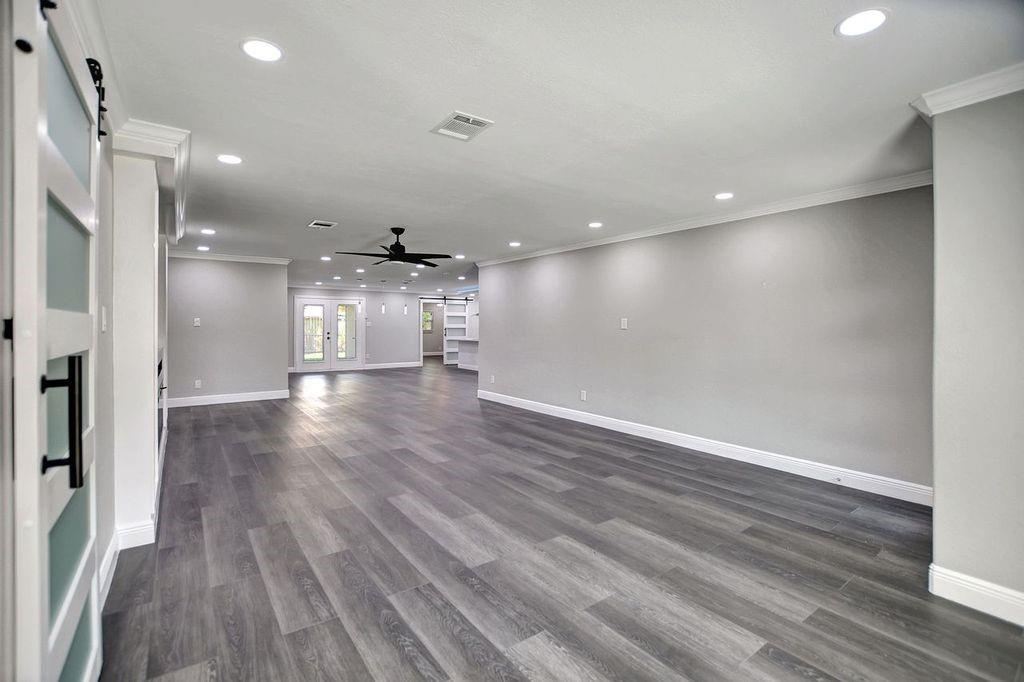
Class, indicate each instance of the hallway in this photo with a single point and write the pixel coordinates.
(387, 525)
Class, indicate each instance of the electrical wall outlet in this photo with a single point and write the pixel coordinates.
(623, 323)
(195, 321)
(492, 378)
(198, 383)
(583, 395)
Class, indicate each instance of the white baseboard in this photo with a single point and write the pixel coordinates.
(222, 398)
(463, 365)
(291, 369)
(133, 536)
(978, 594)
(393, 365)
(108, 564)
(882, 485)
(433, 352)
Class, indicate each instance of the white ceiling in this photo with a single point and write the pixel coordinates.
(631, 113)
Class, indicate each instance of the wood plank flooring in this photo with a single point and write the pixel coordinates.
(387, 525)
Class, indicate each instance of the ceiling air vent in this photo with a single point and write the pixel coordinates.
(318, 224)
(462, 126)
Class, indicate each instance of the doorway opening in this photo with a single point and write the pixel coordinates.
(330, 334)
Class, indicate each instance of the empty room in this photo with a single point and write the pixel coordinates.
(453, 340)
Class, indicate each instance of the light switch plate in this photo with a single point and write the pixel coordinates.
(103, 318)
(583, 395)
(623, 323)
(198, 383)
(195, 321)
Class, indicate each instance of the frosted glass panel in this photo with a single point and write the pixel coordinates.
(81, 647)
(67, 261)
(68, 540)
(67, 121)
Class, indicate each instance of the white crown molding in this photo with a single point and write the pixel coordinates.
(155, 139)
(222, 398)
(151, 139)
(881, 485)
(196, 255)
(971, 91)
(900, 182)
(978, 594)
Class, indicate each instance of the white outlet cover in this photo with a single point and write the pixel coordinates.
(198, 383)
(492, 378)
(195, 321)
(103, 318)
(623, 323)
(583, 395)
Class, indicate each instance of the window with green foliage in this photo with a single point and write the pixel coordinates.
(428, 321)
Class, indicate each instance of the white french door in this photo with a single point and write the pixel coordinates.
(329, 334)
(56, 153)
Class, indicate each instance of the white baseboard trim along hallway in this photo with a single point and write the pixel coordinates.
(393, 365)
(222, 398)
(990, 598)
(882, 485)
(133, 536)
(107, 565)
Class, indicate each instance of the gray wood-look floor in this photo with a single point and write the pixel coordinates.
(388, 526)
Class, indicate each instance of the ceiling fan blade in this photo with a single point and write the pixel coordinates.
(424, 262)
(386, 260)
(427, 255)
(356, 253)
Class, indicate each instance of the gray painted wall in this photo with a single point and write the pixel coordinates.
(807, 333)
(241, 344)
(390, 337)
(979, 340)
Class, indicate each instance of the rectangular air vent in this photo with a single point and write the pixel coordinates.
(318, 224)
(462, 126)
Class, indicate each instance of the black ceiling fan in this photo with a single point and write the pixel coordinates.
(397, 253)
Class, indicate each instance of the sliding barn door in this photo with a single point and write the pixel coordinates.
(56, 152)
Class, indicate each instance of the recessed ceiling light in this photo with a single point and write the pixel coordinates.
(207, 230)
(262, 50)
(595, 225)
(461, 277)
(459, 256)
(722, 196)
(202, 248)
(414, 274)
(325, 258)
(336, 277)
(420, 266)
(440, 290)
(362, 286)
(229, 159)
(360, 270)
(318, 283)
(861, 23)
(515, 244)
(403, 288)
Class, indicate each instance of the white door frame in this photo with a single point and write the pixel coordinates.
(41, 171)
(7, 639)
(330, 363)
(419, 323)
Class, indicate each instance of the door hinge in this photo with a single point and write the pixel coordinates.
(9, 328)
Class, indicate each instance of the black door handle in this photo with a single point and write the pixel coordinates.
(76, 477)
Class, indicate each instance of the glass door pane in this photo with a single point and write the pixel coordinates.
(313, 333)
(67, 121)
(346, 332)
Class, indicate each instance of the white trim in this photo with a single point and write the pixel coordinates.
(151, 139)
(134, 536)
(978, 594)
(393, 365)
(431, 353)
(219, 399)
(882, 485)
(473, 368)
(266, 260)
(291, 369)
(108, 564)
(909, 181)
(971, 91)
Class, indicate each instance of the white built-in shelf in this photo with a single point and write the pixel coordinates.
(455, 326)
